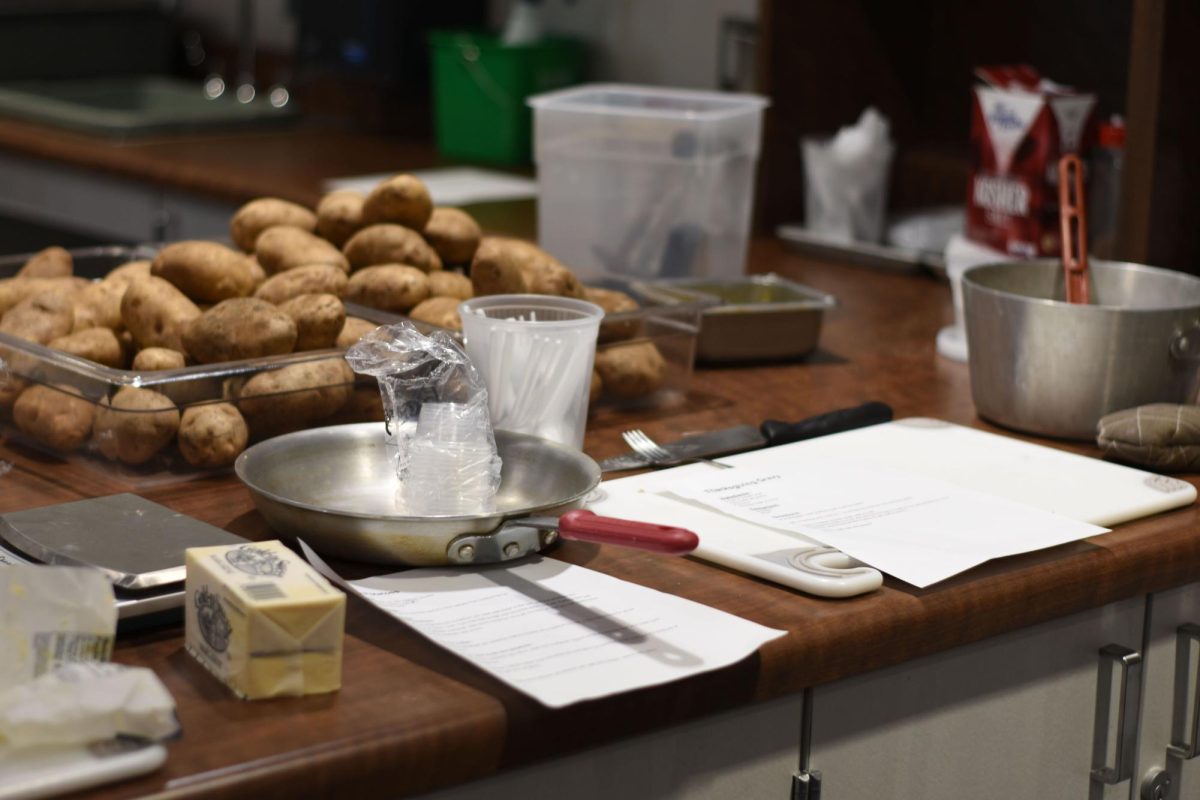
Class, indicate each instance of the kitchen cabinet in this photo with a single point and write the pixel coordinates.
(109, 208)
(747, 753)
(1171, 696)
(1011, 716)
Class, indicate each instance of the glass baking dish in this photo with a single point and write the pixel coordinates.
(33, 364)
(669, 328)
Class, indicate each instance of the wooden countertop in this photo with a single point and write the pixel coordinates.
(234, 166)
(412, 717)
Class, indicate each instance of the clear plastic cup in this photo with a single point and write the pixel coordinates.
(535, 354)
(453, 422)
(448, 477)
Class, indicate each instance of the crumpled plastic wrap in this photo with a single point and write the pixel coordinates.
(1161, 436)
(87, 702)
(846, 180)
(436, 412)
(51, 616)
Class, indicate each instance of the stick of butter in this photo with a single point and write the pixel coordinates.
(263, 621)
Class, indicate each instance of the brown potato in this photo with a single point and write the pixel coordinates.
(14, 290)
(596, 388)
(267, 212)
(554, 278)
(613, 302)
(354, 329)
(135, 425)
(55, 416)
(365, 405)
(391, 287)
(390, 244)
(315, 279)
(450, 284)
(402, 199)
(256, 270)
(282, 248)
(155, 359)
(156, 313)
(10, 388)
(212, 435)
(319, 319)
(241, 327)
(129, 271)
(520, 253)
(206, 272)
(41, 317)
(53, 262)
(511, 266)
(440, 311)
(98, 305)
(494, 271)
(453, 234)
(630, 370)
(295, 396)
(340, 215)
(95, 344)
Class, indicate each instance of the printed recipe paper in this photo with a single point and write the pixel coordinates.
(920, 530)
(558, 632)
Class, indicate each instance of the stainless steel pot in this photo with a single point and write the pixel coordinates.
(335, 488)
(1041, 365)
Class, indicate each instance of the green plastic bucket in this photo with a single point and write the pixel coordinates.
(479, 91)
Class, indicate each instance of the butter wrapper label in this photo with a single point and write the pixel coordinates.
(263, 621)
(50, 616)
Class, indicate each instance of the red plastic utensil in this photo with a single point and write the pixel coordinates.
(585, 526)
(1073, 217)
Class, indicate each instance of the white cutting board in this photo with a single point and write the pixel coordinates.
(1074, 486)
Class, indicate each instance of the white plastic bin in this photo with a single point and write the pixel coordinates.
(644, 181)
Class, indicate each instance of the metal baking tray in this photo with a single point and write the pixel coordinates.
(755, 318)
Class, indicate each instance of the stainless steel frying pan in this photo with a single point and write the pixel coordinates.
(334, 487)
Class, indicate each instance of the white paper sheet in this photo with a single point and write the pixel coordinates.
(453, 186)
(918, 529)
(558, 632)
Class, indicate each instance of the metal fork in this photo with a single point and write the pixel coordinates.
(657, 455)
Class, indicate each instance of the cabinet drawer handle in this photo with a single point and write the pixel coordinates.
(1184, 741)
(1114, 656)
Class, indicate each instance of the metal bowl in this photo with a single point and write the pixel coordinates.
(335, 488)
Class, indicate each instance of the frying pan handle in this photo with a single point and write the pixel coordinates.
(585, 526)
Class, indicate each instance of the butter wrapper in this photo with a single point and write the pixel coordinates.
(263, 621)
(87, 702)
(51, 616)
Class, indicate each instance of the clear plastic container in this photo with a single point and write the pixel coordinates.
(316, 403)
(646, 182)
(535, 353)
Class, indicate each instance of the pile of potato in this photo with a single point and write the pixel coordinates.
(280, 291)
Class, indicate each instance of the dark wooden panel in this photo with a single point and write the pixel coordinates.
(823, 62)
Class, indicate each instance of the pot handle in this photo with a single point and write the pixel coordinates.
(1185, 345)
(584, 526)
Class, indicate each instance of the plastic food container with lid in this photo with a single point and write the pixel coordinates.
(646, 182)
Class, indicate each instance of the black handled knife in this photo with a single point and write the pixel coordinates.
(771, 432)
